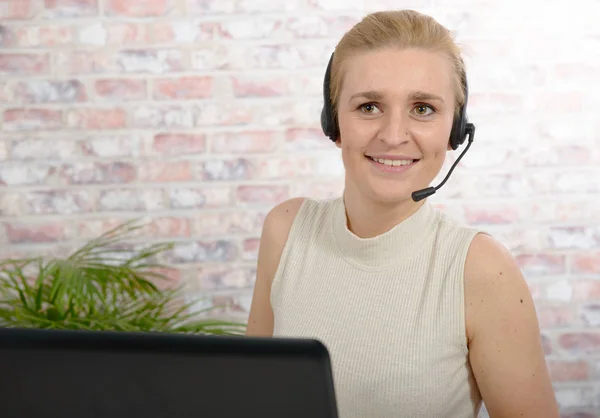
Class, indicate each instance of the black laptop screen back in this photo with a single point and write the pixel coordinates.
(62, 382)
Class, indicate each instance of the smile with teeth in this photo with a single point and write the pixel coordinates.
(392, 163)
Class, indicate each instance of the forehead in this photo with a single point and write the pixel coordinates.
(397, 71)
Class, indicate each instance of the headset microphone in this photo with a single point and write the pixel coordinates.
(423, 193)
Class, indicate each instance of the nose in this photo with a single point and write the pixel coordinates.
(394, 129)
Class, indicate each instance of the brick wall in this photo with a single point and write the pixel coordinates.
(200, 115)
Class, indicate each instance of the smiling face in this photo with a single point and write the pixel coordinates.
(395, 114)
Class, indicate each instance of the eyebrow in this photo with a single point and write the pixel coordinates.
(413, 96)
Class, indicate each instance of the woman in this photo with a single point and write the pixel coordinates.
(422, 317)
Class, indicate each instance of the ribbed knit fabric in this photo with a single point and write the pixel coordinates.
(390, 309)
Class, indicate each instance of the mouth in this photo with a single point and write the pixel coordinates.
(393, 163)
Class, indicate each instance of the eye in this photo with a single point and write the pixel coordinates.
(421, 109)
(369, 108)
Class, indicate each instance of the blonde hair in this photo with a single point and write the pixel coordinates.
(402, 29)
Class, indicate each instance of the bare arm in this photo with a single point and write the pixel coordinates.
(505, 345)
(276, 228)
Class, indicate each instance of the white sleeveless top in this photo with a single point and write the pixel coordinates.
(390, 310)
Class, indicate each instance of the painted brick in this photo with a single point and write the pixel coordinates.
(86, 62)
(557, 102)
(120, 89)
(227, 222)
(567, 371)
(95, 34)
(11, 204)
(284, 168)
(194, 198)
(70, 8)
(6, 92)
(32, 119)
(168, 228)
(556, 316)
(35, 36)
(60, 202)
(574, 238)
(574, 180)
(203, 7)
(491, 215)
(580, 343)
(262, 87)
(226, 170)
(175, 144)
(42, 148)
(579, 414)
(561, 155)
(591, 315)
(338, 5)
(257, 57)
(250, 249)
(576, 209)
(113, 146)
(231, 305)
(142, 8)
(541, 264)
(100, 173)
(576, 396)
(586, 263)
(584, 290)
(204, 251)
(135, 199)
(48, 91)
(552, 290)
(265, 195)
(306, 139)
(546, 345)
(127, 33)
(310, 27)
(223, 277)
(243, 142)
(183, 88)
(159, 171)
(8, 38)
(24, 63)
(34, 233)
(520, 240)
(179, 32)
(251, 27)
(93, 118)
(162, 116)
(223, 114)
(29, 174)
(299, 112)
(19, 9)
(150, 61)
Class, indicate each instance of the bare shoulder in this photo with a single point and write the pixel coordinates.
(280, 218)
(505, 347)
(275, 232)
(492, 276)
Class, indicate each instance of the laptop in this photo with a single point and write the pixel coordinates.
(100, 374)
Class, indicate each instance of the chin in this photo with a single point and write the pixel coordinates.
(388, 192)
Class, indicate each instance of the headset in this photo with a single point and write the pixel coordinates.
(461, 128)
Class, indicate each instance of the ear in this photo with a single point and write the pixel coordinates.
(338, 143)
(449, 146)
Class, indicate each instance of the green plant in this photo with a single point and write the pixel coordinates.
(100, 287)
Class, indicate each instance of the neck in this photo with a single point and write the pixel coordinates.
(368, 218)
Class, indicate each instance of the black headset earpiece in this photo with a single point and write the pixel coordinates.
(328, 122)
(460, 127)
